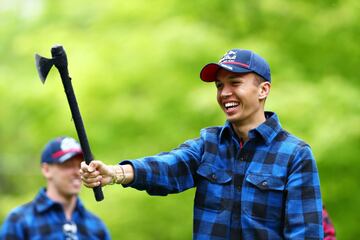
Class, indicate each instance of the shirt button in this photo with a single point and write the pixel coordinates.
(238, 187)
(213, 177)
(264, 183)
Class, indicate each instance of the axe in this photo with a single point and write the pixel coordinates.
(59, 59)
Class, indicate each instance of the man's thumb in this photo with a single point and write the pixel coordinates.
(93, 165)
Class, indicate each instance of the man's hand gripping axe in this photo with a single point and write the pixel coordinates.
(59, 59)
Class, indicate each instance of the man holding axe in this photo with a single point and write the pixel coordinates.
(253, 179)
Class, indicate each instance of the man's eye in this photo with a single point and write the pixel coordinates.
(218, 85)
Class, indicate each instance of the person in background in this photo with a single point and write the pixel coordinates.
(329, 230)
(253, 179)
(56, 212)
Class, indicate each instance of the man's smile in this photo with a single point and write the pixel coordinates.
(229, 105)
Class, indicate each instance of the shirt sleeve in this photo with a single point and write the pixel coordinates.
(104, 233)
(168, 172)
(303, 209)
(12, 228)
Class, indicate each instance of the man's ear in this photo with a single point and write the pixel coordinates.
(264, 90)
(45, 169)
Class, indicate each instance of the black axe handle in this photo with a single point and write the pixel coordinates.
(60, 62)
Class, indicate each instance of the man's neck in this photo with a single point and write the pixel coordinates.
(242, 129)
(67, 202)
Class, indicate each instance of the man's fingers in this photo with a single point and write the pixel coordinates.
(91, 179)
(91, 167)
(92, 174)
(87, 175)
(84, 167)
(92, 185)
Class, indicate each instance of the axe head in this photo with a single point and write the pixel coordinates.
(43, 66)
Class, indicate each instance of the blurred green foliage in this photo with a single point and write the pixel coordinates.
(135, 68)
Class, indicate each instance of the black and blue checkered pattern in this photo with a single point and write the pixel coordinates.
(268, 189)
(44, 219)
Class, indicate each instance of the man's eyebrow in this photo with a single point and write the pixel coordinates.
(236, 76)
(232, 76)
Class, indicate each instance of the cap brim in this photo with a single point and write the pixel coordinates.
(67, 156)
(209, 71)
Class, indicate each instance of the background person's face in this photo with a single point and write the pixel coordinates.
(65, 178)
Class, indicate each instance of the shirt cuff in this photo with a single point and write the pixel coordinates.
(139, 180)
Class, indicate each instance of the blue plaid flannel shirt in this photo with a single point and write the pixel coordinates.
(44, 219)
(268, 189)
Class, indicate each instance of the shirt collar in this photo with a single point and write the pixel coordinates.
(43, 203)
(267, 130)
(227, 132)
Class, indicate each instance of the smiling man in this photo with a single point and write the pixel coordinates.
(253, 179)
(56, 212)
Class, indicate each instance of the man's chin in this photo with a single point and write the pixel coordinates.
(76, 190)
(232, 119)
(73, 191)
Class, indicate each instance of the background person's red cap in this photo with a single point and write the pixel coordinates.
(237, 61)
(60, 150)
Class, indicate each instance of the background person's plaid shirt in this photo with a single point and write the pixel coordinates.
(329, 230)
(44, 219)
(269, 189)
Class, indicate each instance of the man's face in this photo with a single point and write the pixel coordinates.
(238, 96)
(64, 178)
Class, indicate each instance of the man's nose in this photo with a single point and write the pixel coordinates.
(226, 92)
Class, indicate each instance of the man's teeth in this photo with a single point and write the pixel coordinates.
(231, 104)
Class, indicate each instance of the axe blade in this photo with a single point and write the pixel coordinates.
(43, 66)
